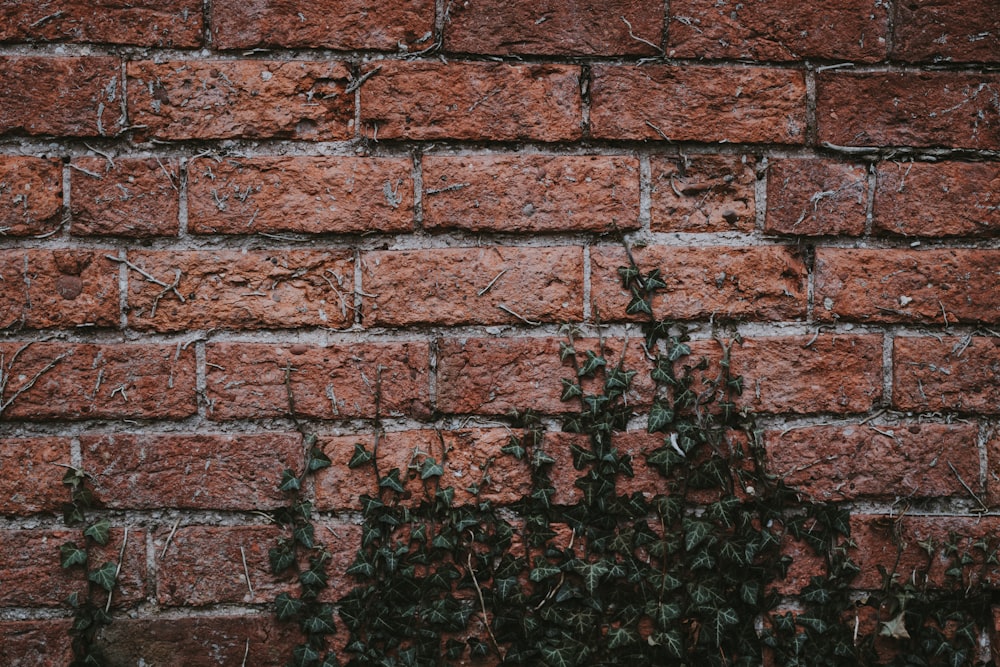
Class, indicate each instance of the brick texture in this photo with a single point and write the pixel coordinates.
(961, 31)
(946, 373)
(125, 197)
(703, 193)
(37, 459)
(752, 105)
(31, 195)
(33, 643)
(816, 197)
(329, 195)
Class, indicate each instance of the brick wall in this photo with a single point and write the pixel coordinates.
(196, 196)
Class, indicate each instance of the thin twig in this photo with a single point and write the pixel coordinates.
(640, 39)
(492, 283)
(118, 569)
(152, 279)
(104, 155)
(246, 652)
(246, 571)
(520, 317)
(169, 537)
(5, 376)
(356, 83)
(971, 492)
(482, 605)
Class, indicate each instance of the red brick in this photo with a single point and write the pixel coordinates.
(241, 98)
(333, 24)
(816, 197)
(838, 463)
(97, 381)
(58, 288)
(200, 641)
(327, 194)
(449, 285)
(960, 30)
(33, 482)
(578, 27)
(36, 643)
(946, 373)
(32, 576)
(78, 97)
(496, 375)
(951, 109)
(937, 199)
(992, 471)
(786, 30)
(466, 453)
(530, 193)
(703, 193)
(231, 289)
(885, 285)
(796, 374)
(130, 197)
(879, 539)
(175, 23)
(187, 471)
(472, 100)
(698, 103)
(31, 195)
(338, 382)
(762, 282)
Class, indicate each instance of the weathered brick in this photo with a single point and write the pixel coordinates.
(334, 24)
(231, 289)
(698, 103)
(952, 109)
(946, 373)
(894, 542)
(457, 286)
(764, 282)
(937, 199)
(472, 100)
(327, 195)
(467, 455)
(959, 30)
(579, 27)
(32, 477)
(35, 643)
(78, 97)
(57, 288)
(530, 193)
(199, 641)
(32, 576)
(785, 30)
(190, 471)
(337, 382)
(241, 98)
(82, 381)
(129, 197)
(496, 375)
(203, 565)
(176, 23)
(837, 463)
(31, 195)
(992, 497)
(815, 197)
(702, 193)
(907, 285)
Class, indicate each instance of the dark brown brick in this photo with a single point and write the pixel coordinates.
(36, 643)
(907, 285)
(334, 24)
(130, 197)
(946, 373)
(50, 380)
(783, 30)
(578, 27)
(703, 193)
(472, 100)
(222, 99)
(958, 30)
(31, 195)
(815, 197)
(327, 195)
(530, 193)
(937, 199)
(336, 382)
(456, 285)
(212, 471)
(58, 288)
(950, 109)
(230, 289)
(698, 103)
(763, 282)
(77, 97)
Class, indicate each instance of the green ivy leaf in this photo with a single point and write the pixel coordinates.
(430, 468)
(361, 456)
(638, 304)
(100, 532)
(543, 571)
(105, 576)
(590, 364)
(592, 574)
(304, 534)
(70, 555)
(304, 656)
(289, 481)
(282, 557)
(318, 459)
(391, 481)
(660, 417)
(628, 274)
(321, 623)
(286, 606)
(570, 390)
(695, 532)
